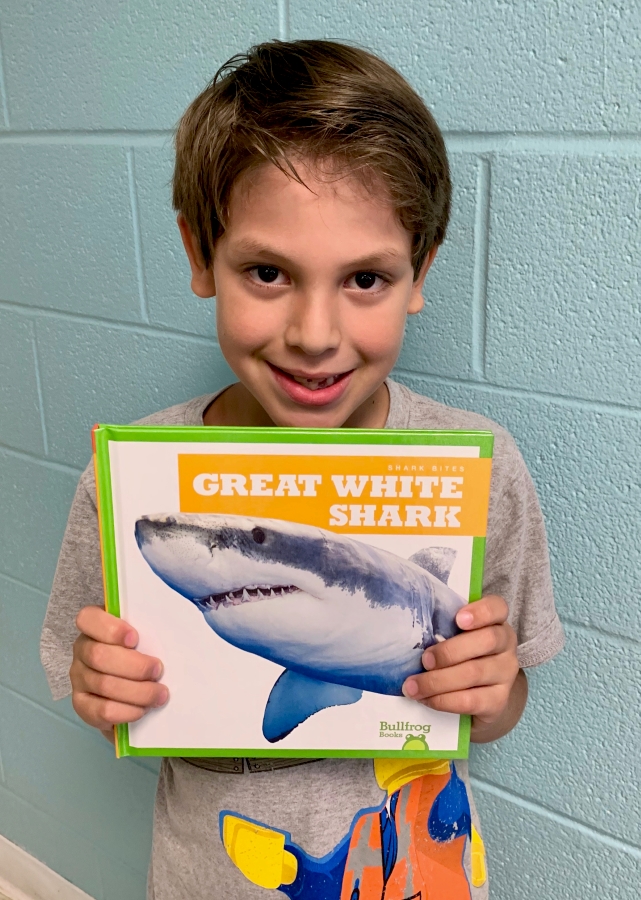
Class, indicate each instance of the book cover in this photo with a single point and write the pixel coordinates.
(290, 579)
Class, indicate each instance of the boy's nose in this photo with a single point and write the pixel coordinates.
(313, 325)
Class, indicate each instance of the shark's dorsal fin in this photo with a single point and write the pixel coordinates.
(438, 561)
(296, 697)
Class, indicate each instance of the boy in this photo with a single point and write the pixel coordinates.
(312, 191)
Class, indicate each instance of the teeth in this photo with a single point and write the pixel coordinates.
(248, 594)
(315, 383)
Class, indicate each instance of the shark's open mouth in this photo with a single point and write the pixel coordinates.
(248, 594)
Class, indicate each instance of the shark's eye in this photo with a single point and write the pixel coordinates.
(258, 535)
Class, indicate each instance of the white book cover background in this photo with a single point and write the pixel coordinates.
(218, 692)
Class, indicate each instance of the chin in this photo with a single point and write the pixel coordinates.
(304, 418)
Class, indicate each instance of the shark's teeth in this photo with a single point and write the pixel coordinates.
(248, 594)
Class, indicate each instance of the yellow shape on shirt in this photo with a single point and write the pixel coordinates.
(479, 872)
(392, 774)
(259, 852)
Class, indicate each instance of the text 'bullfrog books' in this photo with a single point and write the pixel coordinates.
(290, 580)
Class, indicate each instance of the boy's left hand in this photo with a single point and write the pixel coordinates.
(473, 672)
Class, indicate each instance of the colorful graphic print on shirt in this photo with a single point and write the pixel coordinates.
(411, 847)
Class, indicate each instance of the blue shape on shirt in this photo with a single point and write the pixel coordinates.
(450, 816)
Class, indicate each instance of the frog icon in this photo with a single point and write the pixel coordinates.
(416, 742)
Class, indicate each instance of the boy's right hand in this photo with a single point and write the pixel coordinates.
(112, 682)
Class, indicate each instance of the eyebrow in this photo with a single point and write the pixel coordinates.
(250, 247)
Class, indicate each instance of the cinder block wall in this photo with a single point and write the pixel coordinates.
(533, 317)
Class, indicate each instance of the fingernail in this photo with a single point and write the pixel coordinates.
(410, 688)
(162, 696)
(131, 639)
(429, 660)
(464, 618)
(156, 671)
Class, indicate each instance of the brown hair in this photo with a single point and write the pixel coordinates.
(319, 100)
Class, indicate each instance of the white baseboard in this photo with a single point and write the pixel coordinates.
(23, 877)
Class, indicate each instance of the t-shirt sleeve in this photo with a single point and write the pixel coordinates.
(517, 564)
(77, 583)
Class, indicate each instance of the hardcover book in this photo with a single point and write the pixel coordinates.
(290, 580)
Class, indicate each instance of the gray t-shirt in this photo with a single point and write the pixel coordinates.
(329, 829)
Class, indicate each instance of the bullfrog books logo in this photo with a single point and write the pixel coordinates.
(413, 733)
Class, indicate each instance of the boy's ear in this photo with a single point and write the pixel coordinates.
(202, 278)
(416, 300)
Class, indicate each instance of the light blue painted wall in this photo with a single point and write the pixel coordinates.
(533, 317)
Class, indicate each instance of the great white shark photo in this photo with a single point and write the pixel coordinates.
(341, 616)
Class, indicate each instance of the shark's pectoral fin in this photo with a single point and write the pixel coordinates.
(295, 698)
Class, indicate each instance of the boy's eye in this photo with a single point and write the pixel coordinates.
(267, 274)
(365, 281)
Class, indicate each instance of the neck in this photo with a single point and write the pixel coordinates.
(236, 406)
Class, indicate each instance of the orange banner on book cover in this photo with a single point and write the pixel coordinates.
(351, 494)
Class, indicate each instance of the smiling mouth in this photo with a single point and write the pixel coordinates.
(311, 383)
(248, 594)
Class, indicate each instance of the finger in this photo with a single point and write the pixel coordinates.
(485, 671)
(112, 660)
(486, 641)
(490, 610)
(146, 694)
(485, 703)
(103, 714)
(102, 626)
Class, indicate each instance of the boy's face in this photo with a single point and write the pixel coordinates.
(313, 283)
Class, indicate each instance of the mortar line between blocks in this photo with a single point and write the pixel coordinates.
(592, 631)
(604, 53)
(161, 138)
(36, 363)
(79, 725)
(596, 406)
(545, 143)
(135, 218)
(481, 257)
(134, 327)
(283, 19)
(4, 98)
(47, 463)
(25, 584)
(47, 815)
(101, 880)
(595, 834)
